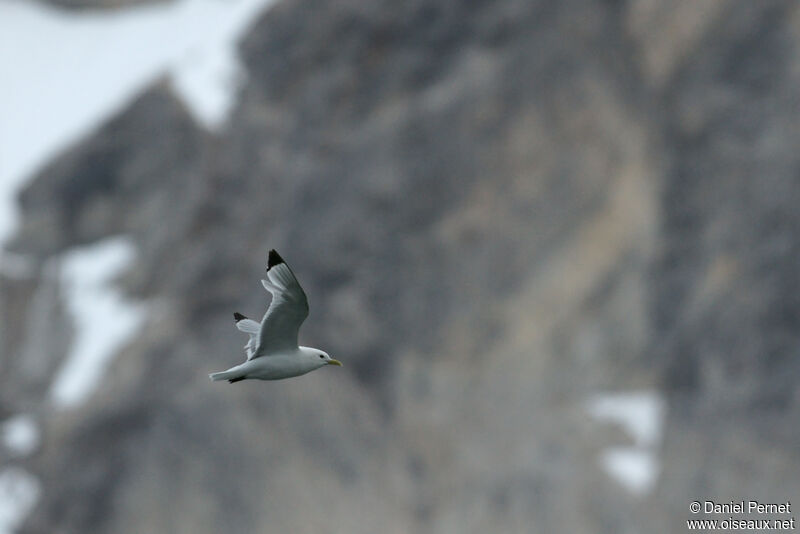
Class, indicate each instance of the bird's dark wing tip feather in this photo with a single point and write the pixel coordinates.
(238, 316)
(274, 259)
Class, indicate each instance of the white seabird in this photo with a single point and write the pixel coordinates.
(272, 350)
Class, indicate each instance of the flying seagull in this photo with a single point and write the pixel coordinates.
(272, 350)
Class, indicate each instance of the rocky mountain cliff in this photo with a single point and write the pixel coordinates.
(497, 210)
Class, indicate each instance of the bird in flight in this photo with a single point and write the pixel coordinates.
(272, 350)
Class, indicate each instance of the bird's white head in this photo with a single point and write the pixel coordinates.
(320, 356)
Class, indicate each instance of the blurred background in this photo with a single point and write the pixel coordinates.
(555, 244)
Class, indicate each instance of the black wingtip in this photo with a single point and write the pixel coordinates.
(238, 316)
(274, 259)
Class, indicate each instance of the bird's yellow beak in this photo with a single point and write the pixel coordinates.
(335, 362)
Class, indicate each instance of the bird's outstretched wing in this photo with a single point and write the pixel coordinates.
(286, 312)
(251, 328)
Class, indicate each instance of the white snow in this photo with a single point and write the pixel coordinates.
(19, 492)
(641, 415)
(104, 320)
(637, 470)
(64, 72)
(20, 435)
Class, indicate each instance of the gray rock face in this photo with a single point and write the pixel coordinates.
(496, 209)
(725, 303)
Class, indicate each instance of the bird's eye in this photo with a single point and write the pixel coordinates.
(321, 356)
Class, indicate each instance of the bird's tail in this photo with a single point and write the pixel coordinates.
(230, 375)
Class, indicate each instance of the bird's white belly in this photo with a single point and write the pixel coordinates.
(277, 367)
